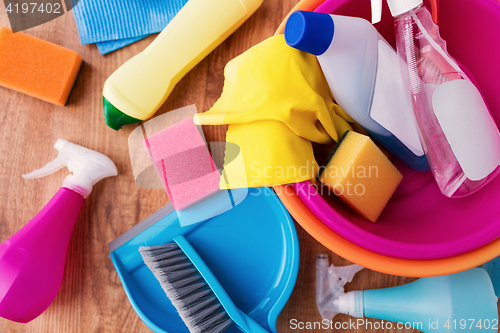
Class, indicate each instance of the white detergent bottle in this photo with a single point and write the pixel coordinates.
(458, 133)
(365, 78)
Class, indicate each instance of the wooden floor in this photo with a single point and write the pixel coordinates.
(91, 298)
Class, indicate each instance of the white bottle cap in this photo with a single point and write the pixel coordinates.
(351, 304)
(397, 7)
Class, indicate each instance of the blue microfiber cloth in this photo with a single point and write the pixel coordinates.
(113, 45)
(114, 24)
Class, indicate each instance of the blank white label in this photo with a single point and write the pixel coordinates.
(391, 105)
(468, 127)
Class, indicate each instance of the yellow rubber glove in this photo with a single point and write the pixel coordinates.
(269, 154)
(273, 81)
(276, 100)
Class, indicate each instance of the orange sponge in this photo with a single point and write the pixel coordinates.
(36, 67)
(361, 175)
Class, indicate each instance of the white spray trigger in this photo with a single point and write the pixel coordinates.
(376, 11)
(346, 273)
(48, 169)
(88, 167)
(330, 286)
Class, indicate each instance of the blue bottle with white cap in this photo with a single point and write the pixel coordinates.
(364, 75)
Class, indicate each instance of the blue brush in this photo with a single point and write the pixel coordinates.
(201, 301)
(252, 251)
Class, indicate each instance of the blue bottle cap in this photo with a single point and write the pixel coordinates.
(309, 32)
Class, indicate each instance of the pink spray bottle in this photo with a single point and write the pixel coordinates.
(32, 260)
(458, 134)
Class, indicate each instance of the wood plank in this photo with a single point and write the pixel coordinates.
(91, 298)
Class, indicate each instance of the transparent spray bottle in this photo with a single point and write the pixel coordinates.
(457, 132)
(330, 282)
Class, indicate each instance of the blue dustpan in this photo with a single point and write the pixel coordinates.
(252, 249)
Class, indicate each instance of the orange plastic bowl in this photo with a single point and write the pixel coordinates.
(361, 256)
(374, 261)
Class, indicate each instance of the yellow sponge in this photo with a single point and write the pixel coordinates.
(36, 67)
(361, 175)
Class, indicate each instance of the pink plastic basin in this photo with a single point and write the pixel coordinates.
(419, 222)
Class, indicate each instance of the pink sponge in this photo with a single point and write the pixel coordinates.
(184, 164)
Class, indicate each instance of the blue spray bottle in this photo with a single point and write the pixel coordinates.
(493, 269)
(462, 302)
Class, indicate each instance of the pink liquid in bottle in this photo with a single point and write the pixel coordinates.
(435, 82)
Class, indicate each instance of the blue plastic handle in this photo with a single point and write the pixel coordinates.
(245, 323)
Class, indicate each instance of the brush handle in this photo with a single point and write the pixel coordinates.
(245, 323)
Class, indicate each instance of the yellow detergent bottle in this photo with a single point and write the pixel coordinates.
(136, 90)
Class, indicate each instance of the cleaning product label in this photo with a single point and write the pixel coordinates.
(391, 107)
(468, 127)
